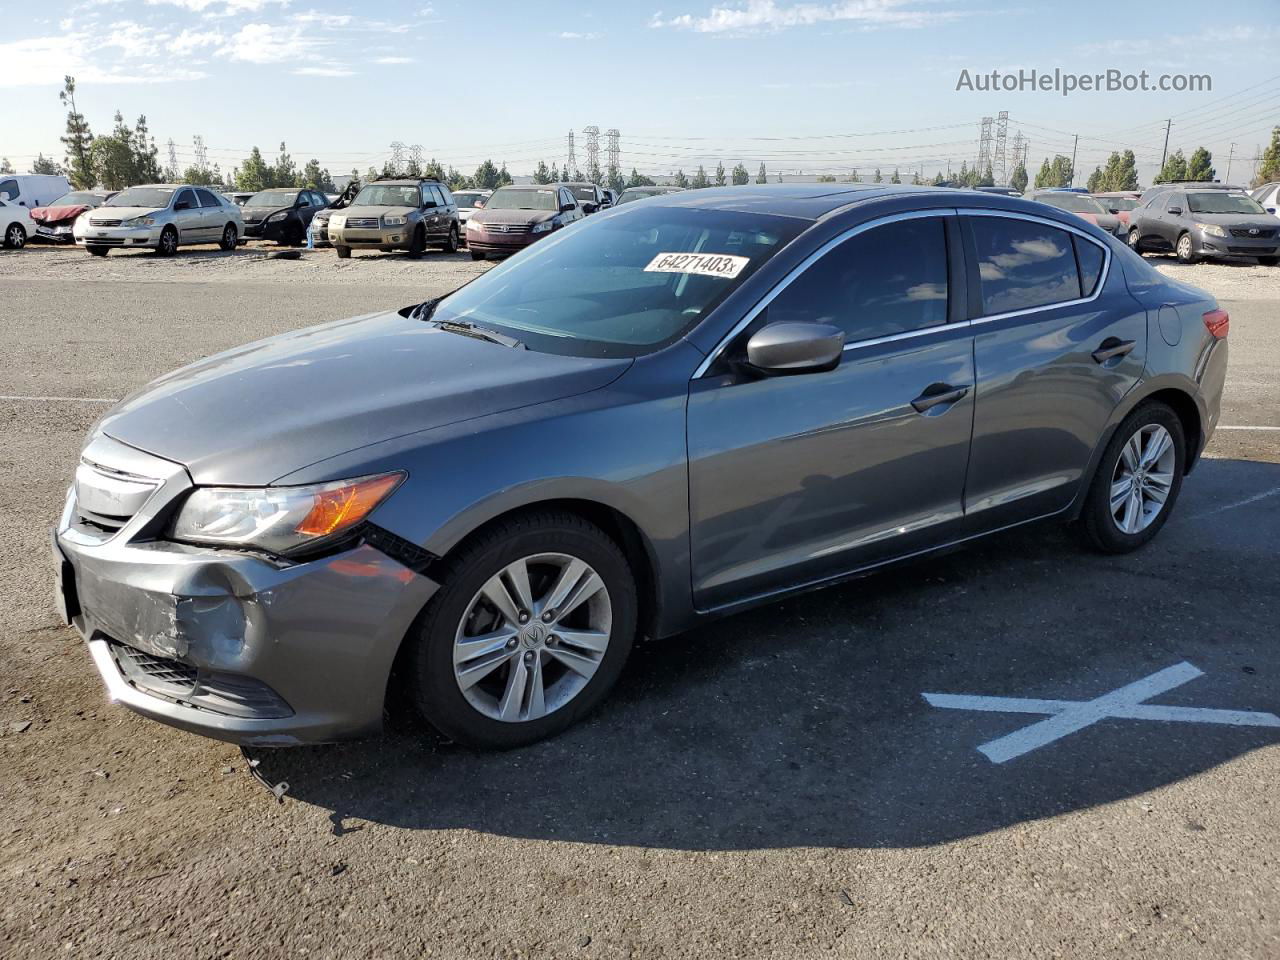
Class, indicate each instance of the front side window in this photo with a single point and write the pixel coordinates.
(621, 286)
(1219, 201)
(887, 280)
(187, 197)
(1023, 264)
(1174, 203)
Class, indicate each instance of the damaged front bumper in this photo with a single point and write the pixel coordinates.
(232, 645)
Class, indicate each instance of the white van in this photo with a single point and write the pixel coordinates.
(32, 189)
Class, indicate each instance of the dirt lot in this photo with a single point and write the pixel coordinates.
(774, 785)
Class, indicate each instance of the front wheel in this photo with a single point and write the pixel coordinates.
(477, 255)
(529, 631)
(98, 251)
(228, 241)
(418, 244)
(1137, 482)
(1135, 241)
(1269, 261)
(1186, 249)
(15, 238)
(168, 244)
(343, 252)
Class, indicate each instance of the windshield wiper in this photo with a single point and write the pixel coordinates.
(466, 329)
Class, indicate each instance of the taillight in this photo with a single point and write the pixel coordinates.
(1217, 322)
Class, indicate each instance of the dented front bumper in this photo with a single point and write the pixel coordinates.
(235, 645)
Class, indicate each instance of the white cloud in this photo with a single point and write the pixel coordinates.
(189, 41)
(133, 40)
(323, 72)
(267, 43)
(42, 61)
(330, 20)
(570, 35)
(766, 15)
(393, 60)
(223, 8)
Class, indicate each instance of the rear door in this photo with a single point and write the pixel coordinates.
(794, 479)
(1058, 342)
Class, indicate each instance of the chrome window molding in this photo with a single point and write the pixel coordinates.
(826, 248)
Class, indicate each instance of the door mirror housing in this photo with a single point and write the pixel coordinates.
(566, 207)
(182, 205)
(589, 207)
(789, 348)
(1176, 211)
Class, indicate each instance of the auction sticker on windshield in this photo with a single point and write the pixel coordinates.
(704, 264)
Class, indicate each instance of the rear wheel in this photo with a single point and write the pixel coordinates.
(98, 251)
(450, 244)
(15, 238)
(1186, 249)
(168, 244)
(529, 631)
(228, 241)
(1137, 482)
(343, 252)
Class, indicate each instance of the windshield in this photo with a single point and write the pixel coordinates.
(621, 286)
(585, 193)
(272, 198)
(386, 195)
(1075, 202)
(1118, 203)
(629, 195)
(521, 199)
(142, 197)
(1222, 202)
(77, 200)
(466, 199)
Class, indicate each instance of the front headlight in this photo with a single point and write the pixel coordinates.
(140, 222)
(277, 217)
(279, 519)
(474, 224)
(391, 221)
(1212, 229)
(544, 227)
(337, 221)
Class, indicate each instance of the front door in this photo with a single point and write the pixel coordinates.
(794, 479)
(188, 217)
(1057, 346)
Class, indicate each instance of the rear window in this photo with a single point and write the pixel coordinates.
(1023, 264)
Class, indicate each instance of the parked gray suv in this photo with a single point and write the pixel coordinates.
(1199, 224)
(671, 411)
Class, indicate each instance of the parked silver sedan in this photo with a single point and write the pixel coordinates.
(159, 217)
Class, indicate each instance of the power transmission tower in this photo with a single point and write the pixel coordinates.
(592, 133)
(612, 152)
(984, 146)
(571, 164)
(415, 156)
(397, 155)
(1002, 130)
(202, 155)
(171, 173)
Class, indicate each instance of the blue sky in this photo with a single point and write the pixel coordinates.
(802, 86)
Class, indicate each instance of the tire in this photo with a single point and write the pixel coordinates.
(1135, 242)
(15, 236)
(1269, 261)
(168, 244)
(549, 542)
(343, 252)
(477, 255)
(98, 251)
(1185, 249)
(450, 244)
(418, 245)
(1102, 520)
(229, 237)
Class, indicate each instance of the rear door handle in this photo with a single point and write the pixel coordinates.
(937, 394)
(1112, 347)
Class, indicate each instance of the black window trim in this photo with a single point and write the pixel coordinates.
(976, 315)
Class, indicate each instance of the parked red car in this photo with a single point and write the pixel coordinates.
(54, 222)
(1119, 202)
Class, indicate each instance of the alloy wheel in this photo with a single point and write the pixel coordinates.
(16, 238)
(532, 637)
(1184, 247)
(1143, 478)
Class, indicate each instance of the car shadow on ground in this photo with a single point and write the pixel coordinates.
(803, 723)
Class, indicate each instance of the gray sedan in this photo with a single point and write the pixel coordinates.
(676, 410)
(160, 217)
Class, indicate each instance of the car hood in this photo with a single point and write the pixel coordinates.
(260, 212)
(253, 414)
(68, 211)
(376, 212)
(512, 216)
(125, 213)
(1242, 221)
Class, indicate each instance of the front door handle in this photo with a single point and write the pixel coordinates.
(937, 394)
(1111, 348)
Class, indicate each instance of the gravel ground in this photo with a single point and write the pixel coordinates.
(769, 786)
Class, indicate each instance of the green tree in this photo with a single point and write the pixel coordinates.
(1175, 167)
(541, 174)
(486, 176)
(146, 158)
(1045, 175)
(46, 165)
(614, 180)
(504, 178)
(939, 179)
(721, 177)
(77, 139)
(988, 178)
(200, 176)
(6, 166)
(284, 173)
(1269, 165)
(1019, 179)
(895, 178)
(681, 179)
(1119, 173)
(1200, 166)
(112, 158)
(826, 178)
(412, 169)
(555, 173)
(435, 171)
(877, 178)
(762, 175)
(638, 179)
(254, 174)
(456, 179)
(1095, 181)
(700, 179)
(740, 175)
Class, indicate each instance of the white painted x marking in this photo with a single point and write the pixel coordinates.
(1068, 716)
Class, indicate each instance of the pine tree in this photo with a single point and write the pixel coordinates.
(146, 155)
(1095, 181)
(762, 176)
(284, 173)
(700, 179)
(895, 178)
(46, 165)
(1200, 166)
(740, 175)
(721, 179)
(1269, 165)
(877, 178)
(541, 174)
(1019, 179)
(555, 173)
(681, 179)
(5, 166)
(1175, 167)
(78, 139)
(254, 175)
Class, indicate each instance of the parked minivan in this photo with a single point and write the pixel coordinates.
(669, 412)
(32, 189)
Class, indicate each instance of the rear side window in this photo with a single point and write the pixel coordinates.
(9, 189)
(890, 279)
(445, 194)
(207, 199)
(1089, 259)
(1023, 264)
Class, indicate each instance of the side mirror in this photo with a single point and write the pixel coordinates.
(1113, 210)
(182, 205)
(1176, 211)
(566, 207)
(590, 207)
(1271, 209)
(785, 348)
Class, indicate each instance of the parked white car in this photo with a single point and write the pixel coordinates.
(160, 217)
(1269, 196)
(32, 189)
(16, 224)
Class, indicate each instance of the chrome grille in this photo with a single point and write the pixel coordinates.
(103, 223)
(106, 498)
(363, 223)
(505, 227)
(1257, 233)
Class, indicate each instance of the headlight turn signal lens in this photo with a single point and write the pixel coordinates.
(341, 508)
